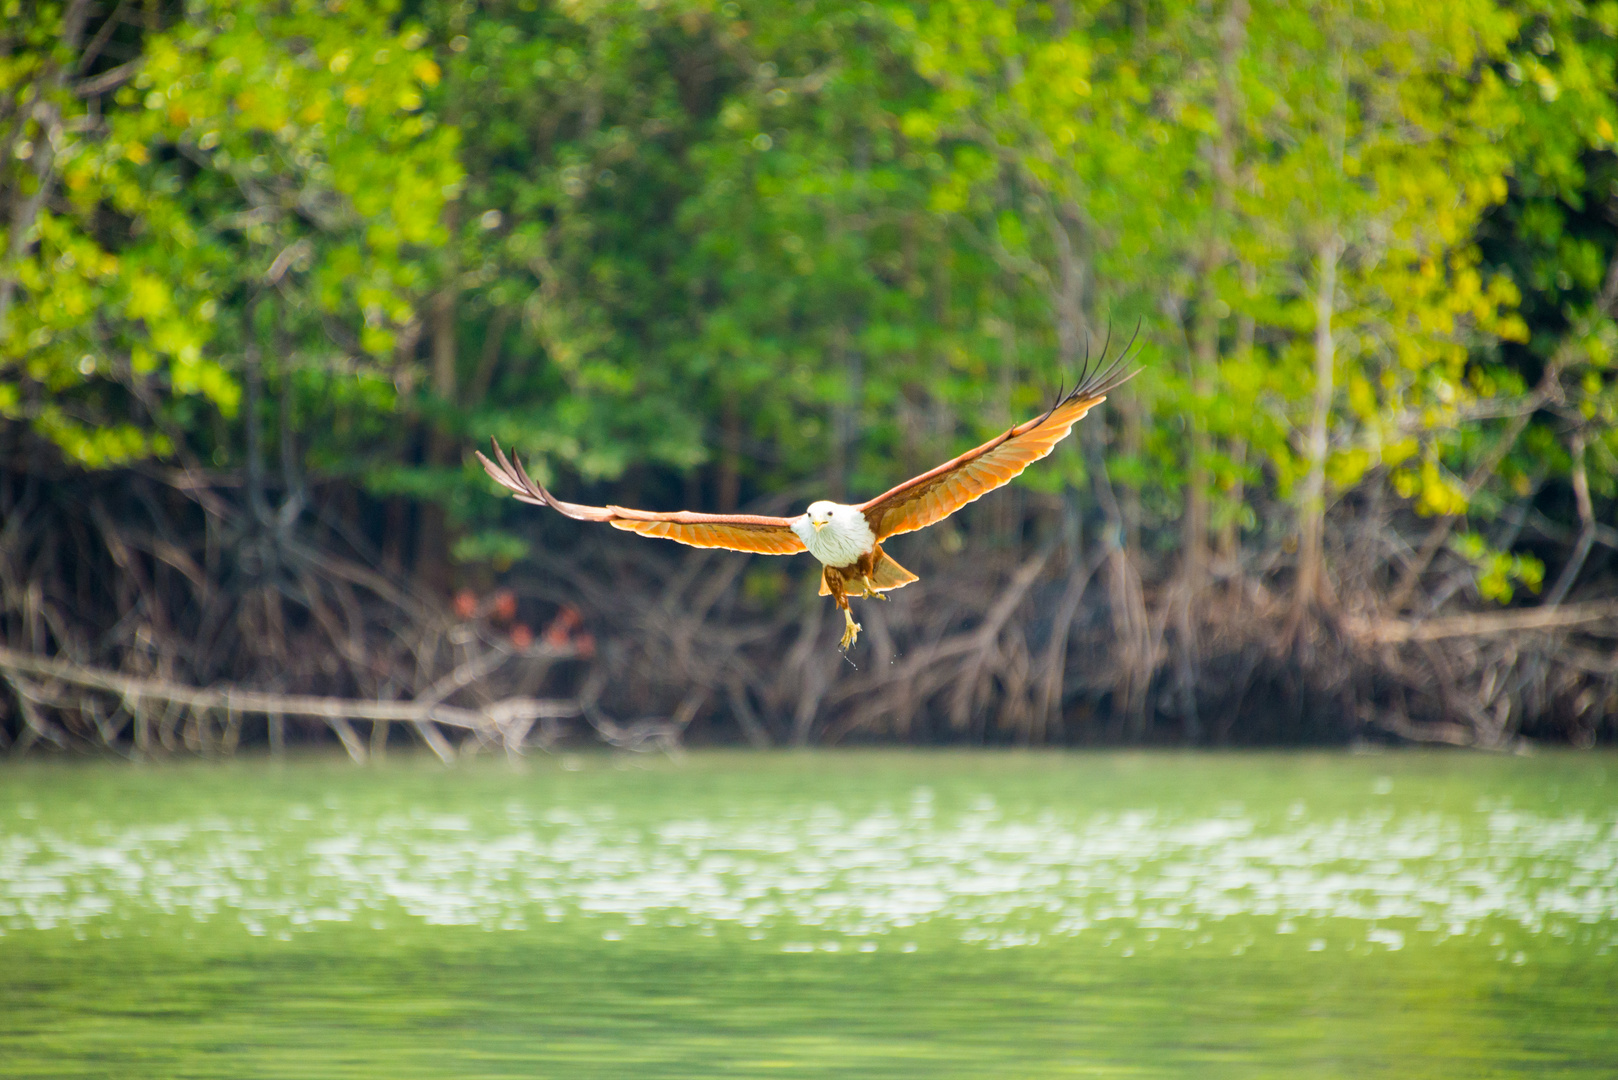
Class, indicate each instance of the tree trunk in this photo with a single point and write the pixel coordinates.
(432, 537)
(1236, 445)
(845, 415)
(252, 418)
(1205, 347)
(1204, 361)
(1312, 500)
(729, 483)
(47, 88)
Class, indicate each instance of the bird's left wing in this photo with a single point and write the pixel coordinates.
(737, 532)
(935, 495)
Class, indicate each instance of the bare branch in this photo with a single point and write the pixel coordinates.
(1484, 623)
(259, 702)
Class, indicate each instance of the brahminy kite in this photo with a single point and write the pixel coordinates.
(848, 539)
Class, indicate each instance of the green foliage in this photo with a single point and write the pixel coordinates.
(1498, 572)
(725, 248)
(261, 152)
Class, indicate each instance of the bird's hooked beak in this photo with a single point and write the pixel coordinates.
(817, 524)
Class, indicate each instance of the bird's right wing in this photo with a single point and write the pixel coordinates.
(935, 495)
(735, 532)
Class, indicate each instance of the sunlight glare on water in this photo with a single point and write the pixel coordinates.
(842, 915)
(998, 878)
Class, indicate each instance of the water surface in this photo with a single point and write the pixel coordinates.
(820, 915)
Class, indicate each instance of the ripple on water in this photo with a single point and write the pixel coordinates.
(1004, 882)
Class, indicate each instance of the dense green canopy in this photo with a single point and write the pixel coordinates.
(696, 252)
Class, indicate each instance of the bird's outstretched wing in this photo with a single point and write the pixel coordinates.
(933, 496)
(737, 532)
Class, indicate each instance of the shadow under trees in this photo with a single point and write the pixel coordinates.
(174, 623)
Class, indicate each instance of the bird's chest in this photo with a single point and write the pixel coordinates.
(841, 542)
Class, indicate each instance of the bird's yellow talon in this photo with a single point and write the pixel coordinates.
(851, 631)
(870, 590)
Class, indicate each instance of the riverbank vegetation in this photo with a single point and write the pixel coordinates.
(273, 269)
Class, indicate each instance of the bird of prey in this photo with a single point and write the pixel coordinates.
(848, 539)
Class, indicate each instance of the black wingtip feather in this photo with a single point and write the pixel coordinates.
(1105, 377)
(510, 474)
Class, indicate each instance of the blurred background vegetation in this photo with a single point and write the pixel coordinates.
(273, 268)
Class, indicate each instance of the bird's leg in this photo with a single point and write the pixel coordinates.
(866, 567)
(851, 629)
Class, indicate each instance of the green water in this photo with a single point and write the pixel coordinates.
(870, 915)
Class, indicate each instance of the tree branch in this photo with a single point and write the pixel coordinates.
(1392, 631)
(489, 719)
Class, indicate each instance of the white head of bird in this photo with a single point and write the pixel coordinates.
(835, 534)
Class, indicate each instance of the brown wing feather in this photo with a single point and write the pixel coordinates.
(736, 532)
(935, 495)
